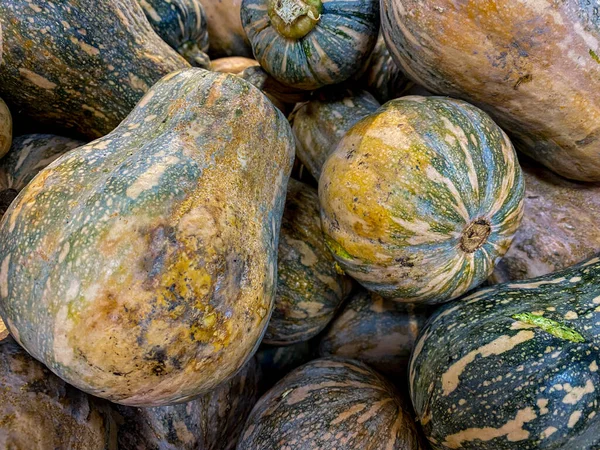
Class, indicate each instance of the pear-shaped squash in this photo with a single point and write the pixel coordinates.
(225, 31)
(514, 366)
(421, 198)
(6, 126)
(313, 43)
(232, 64)
(62, 68)
(141, 267)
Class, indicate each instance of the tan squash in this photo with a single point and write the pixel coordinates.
(226, 34)
(5, 124)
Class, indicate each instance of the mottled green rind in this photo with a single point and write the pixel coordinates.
(553, 327)
(330, 403)
(141, 267)
(62, 68)
(6, 125)
(276, 361)
(542, 388)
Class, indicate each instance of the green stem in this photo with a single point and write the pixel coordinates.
(294, 19)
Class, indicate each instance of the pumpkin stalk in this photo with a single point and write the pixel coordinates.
(475, 235)
(294, 19)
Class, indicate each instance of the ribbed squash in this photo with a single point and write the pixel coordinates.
(211, 422)
(141, 267)
(182, 25)
(514, 366)
(559, 227)
(232, 64)
(310, 284)
(309, 43)
(276, 361)
(76, 74)
(5, 122)
(320, 123)
(330, 403)
(421, 198)
(533, 65)
(226, 33)
(28, 155)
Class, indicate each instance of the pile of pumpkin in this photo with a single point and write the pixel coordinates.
(167, 285)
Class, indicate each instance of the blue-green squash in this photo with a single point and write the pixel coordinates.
(313, 43)
(62, 68)
(421, 198)
(514, 366)
(330, 403)
(6, 127)
(277, 361)
(182, 25)
(142, 266)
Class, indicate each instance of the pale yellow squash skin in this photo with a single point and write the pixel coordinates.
(232, 64)
(5, 125)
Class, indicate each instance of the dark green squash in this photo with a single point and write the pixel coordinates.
(277, 361)
(182, 25)
(330, 403)
(6, 127)
(62, 68)
(320, 123)
(421, 198)
(514, 366)
(226, 33)
(232, 64)
(142, 266)
(310, 44)
(310, 284)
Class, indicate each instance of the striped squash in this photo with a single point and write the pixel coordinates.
(76, 75)
(277, 361)
(421, 198)
(182, 25)
(321, 123)
(6, 127)
(141, 267)
(513, 367)
(226, 33)
(311, 43)
(330, 403)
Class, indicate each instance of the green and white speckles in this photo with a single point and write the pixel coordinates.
(5, 124)
(551, 326)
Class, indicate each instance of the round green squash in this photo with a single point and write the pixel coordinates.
(63, 69)
(232, 64)
(310, 284)
(320, 123)
(330, 403)
(211, 422)
(6, 126)
(308, 44)
(225, 31)
(513, 367)
(142, 266)
(533, 65)
(28, 155)
(421, 198)
(277, 361)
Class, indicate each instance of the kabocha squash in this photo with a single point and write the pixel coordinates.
(276, 361)
(376, 331)
(141, 267)
(320, 123)
(211, 422)
(309, 44)
(28, 155)
(514, 366)
(421, 198)
(5, 122)
(61, 67)
(532, 65)
(232, 64)
(330, 403)
(310, 284)
(225, 31)
(559, 227)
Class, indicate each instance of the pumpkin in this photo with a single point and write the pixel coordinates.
(225, 31)
(277, 361)
(232, 64)
(330, 403)
(75, 75)
(5, 124)
(376, 331)
(421, 198)
(308, 44)
(320, 123)
(28, 155)
(211, 422)
(273, 88)
(514, 366)
(559, 227)
(310, 285)
(141, 267)
(182, 25)
(534, 66)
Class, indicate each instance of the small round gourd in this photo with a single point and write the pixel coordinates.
(6, 126)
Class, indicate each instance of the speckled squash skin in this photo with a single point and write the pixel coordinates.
(376, 331)
(226, 33)
(310, 284)
(62, 68)
(559, 227)
(338, 46)
(211, 422)
(232, 64)
(533, 65)
(330, 403)
(277, 361)
(141, 267)
(5, 122)
(320, 124)
(28, 155)
(421, 198)
(530, 350)
(182, 25)
(39, 411)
